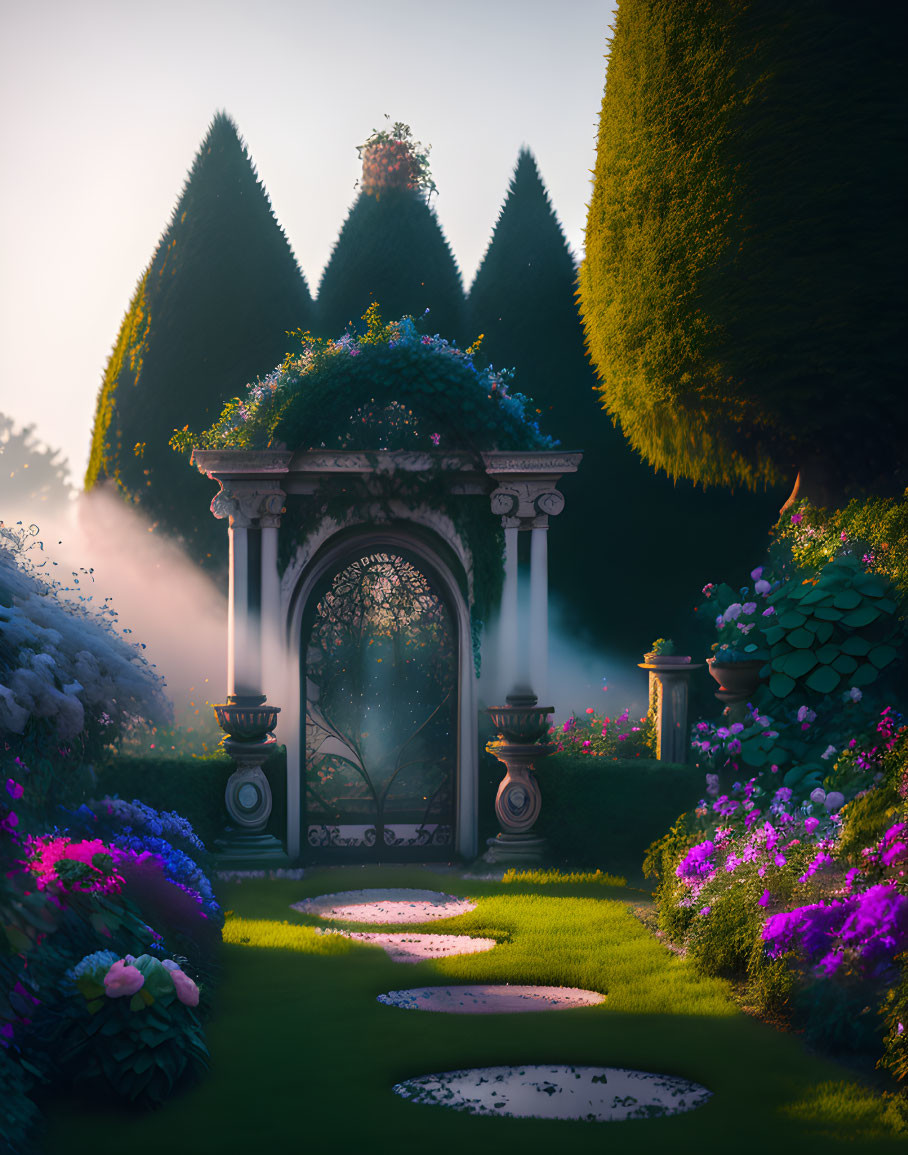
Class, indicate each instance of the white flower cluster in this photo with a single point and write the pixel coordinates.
(62, 660)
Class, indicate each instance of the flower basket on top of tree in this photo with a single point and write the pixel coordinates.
(393, 160)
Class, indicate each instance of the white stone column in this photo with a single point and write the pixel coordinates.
(237, 601)
(539, 611)
(272, 681)
(508, 625)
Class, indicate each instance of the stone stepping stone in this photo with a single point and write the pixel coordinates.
(491, 999)
(385, 906)
(413, 948)
(594, 1094)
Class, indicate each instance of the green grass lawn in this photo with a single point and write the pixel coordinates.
(304, 1057)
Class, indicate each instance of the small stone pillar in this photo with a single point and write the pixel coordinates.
(668, 694)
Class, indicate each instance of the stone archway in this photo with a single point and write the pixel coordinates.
(363, 797)
(266, 604)
(379, 711)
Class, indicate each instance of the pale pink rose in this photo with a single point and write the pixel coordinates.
(122, 979)
(187, 991)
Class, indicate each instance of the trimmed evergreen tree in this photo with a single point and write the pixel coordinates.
(743, 292)
(209, 314)
(523, 301)
(391, 248)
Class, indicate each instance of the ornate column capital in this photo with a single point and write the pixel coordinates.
(527, 503)
(245, 502)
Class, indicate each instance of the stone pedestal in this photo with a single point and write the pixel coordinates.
(668, 695)
(517, 804)
(247, 796)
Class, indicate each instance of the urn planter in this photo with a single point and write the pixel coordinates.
(738, 678)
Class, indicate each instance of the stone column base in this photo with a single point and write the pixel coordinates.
(516, 849)
(240, 849)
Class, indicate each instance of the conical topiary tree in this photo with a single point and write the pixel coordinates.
(213, 307)
(391, 248)
(523, 302)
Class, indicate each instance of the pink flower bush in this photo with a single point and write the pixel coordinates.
(187, 991)
(123, 979)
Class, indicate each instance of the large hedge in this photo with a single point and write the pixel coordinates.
(391, 249)
(523, 302)
(214, 305)
(743, 292)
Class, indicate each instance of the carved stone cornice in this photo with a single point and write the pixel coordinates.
(379, 461)
(549, 462)
(239, 462)
(245, 502)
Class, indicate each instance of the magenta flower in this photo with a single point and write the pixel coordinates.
(764, 898)
(123, 979)
(14, 789)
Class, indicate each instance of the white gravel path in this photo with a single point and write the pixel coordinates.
(391, 905)
(491, 999)
(413, 948)
(595, 1094)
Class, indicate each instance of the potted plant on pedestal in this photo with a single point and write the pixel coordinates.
(737, 658)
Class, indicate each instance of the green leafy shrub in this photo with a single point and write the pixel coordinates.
(866, 818)
(895, 1023)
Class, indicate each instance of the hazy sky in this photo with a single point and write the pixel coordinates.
(105, 102)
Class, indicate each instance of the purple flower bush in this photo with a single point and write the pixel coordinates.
(860, 934)
(794, 896)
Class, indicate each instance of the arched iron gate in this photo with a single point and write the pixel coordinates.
(379, 651)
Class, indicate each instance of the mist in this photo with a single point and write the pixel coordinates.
(580, 674)
(97, 548)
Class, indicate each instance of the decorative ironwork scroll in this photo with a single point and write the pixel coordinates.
(380, 658)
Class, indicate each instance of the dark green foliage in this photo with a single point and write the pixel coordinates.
(833, 631)
(391, 249)
(19, 1116)
(215, 304)
(839, 1017)
(743, 291)
(603, 814)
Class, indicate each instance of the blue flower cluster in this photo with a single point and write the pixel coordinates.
(138, 817)
(101, 961)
